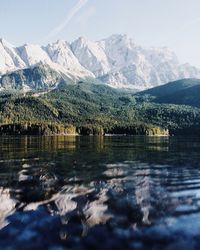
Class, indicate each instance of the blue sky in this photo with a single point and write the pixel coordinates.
(172, 23)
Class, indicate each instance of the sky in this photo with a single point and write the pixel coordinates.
(171, 23)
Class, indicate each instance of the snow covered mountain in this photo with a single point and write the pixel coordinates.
(57, 55)
(91, 56)
(9, 58)
(60, 54)
(116, 61)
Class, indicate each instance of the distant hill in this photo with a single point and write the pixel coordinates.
(183, 92)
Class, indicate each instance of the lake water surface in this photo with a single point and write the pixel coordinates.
(99, 193)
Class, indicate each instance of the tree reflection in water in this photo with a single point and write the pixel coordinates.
(89, 192)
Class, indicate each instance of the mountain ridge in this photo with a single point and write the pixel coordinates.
(181, 92)
(116, 61)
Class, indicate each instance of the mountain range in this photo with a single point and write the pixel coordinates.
(116, 61)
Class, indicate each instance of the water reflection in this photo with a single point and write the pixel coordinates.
(82, 184)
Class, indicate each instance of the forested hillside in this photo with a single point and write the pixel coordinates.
(92, 108)
(183, 92)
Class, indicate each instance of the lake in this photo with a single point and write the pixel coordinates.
(113, 192)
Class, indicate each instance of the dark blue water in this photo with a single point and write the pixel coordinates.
(99, 193)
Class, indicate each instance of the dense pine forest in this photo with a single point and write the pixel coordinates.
(91, 108)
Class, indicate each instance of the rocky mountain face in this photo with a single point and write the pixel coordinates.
(39, 77)
(116, 61)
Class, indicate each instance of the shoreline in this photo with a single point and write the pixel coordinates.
(78, 135)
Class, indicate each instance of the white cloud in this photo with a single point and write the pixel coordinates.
(70, 15)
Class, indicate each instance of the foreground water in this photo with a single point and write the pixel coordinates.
(99, 193)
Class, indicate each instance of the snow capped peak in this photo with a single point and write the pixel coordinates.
(5, 43)
(118, 40)
(61, 42)
(120, 50)
(91, 56)
(61, 54)
(32, 54)
(83, 39)
(9, 58)
(82, 42)
(1, 40)
(118, 37)
(115, 60)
